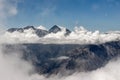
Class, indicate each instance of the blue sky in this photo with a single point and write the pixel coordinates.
(103, 15)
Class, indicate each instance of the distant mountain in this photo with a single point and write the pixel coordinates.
(29, 27)
(56, 29)
(67, 58)
(39, 32)
(15, 29)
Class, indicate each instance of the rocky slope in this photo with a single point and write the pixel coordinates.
(66, 58)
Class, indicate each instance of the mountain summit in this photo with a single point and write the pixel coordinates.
(56, 29)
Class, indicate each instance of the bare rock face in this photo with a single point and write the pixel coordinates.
(56, 29)
(66, 58)
(15, 29)
(39, 32)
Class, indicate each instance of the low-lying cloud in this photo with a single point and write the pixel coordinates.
(109, 72)
(12, 67)
(79, 36)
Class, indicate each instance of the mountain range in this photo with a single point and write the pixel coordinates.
(65, 59)
(40, 32)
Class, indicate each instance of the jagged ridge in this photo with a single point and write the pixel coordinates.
(39, 32)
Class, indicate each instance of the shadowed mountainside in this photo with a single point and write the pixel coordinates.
(66, 58)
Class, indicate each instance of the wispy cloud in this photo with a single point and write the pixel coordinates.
(114, 2)
(48, 10)
(8, 8)
(95, 7)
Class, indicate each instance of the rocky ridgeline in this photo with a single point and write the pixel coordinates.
(40, 32)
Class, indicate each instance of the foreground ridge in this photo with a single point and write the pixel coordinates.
(66, 58)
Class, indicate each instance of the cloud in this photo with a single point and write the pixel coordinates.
(113, 3)
(12, 67)
(47, 11)
(95, 7)
(48, 7)
(80, 35)
(111, 0)
(109, 72)
(8, 8)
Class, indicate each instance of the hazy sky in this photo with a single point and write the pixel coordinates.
(93, 14)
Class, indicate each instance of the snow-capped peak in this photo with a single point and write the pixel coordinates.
(41, 27)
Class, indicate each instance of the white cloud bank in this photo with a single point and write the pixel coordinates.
(12, 67)
(79, 36)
